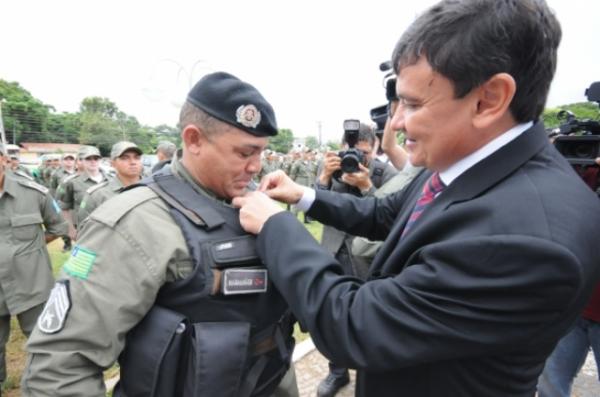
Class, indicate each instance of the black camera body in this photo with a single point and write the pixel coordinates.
(352, 157)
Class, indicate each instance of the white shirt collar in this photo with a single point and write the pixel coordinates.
(456, 169)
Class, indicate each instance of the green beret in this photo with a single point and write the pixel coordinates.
(235, 102)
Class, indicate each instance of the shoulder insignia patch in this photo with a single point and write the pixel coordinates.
(80, 262)
(56, 309)
(33, 185)
(92, 189)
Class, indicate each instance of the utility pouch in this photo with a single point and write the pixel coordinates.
(151, 361)
(234, 252)
(217, 358)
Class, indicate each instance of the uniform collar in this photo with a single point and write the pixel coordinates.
(179, 169)
(10, 185)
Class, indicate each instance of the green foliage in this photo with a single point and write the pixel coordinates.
(333, 145)
(311, 142)
(283, 141)
(98, 122)
(581, 110)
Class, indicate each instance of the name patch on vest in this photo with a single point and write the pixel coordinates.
(244, 281)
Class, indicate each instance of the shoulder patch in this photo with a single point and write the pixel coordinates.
(111, 211)
(92, 189)
(31, 184)
(56, 309)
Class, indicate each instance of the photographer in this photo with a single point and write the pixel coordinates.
(371, 175)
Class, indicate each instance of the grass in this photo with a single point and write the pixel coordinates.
(15, 355)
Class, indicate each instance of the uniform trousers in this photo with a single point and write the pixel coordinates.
(27, 320)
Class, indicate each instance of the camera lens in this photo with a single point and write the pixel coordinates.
(350, 162)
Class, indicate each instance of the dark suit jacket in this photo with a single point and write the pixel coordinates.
(476, 295)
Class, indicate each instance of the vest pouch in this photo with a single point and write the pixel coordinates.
(234, 252)
(218, 355)
(153, 352)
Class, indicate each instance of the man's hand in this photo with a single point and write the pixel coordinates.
(331, 163)
(359, 179)
(255, 209)
(277, 185)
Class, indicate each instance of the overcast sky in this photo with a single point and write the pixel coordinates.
(315, 61)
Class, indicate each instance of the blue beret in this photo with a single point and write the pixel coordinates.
(235, 102)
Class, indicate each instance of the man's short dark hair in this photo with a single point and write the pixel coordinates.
(468, 41)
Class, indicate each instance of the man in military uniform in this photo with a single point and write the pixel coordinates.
(66, 169)
(53, 165)
(126, 159)
(29, 218)
(165, 151)
(17, 168)
(304, 172)
(71, 191)
(166, 266)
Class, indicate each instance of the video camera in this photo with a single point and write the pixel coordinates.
(380, 114)
(579, 140)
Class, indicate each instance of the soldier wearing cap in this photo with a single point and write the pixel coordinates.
(29, 218)
(17, 169)
(164, 274)
(126, 159)
(71, 191)
(66, 169)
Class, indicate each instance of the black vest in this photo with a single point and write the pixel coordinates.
(195, 342)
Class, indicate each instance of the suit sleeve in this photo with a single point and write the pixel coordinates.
(371, 217)
(454, 300)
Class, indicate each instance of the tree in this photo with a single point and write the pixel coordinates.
(311, 142)
(581, 110)
(283, 141)
(25, 117)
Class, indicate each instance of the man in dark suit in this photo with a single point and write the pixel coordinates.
(475, 284)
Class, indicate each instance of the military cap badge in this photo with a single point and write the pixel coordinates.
(248, 116)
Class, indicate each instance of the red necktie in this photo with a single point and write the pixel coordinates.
(433, 186)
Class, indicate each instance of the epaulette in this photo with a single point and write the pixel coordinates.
(31, 184)
(23, 174)
(67, 179)
(92, 189)
(113, 210)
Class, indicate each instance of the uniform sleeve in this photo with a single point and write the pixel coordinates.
(64, 195)
(112, 283)
(54, 222)
(88, 203)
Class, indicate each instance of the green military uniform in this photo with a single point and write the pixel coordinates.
(116, 263)
(71, 191)
(98, 194)
(26, 209)
(57, 178)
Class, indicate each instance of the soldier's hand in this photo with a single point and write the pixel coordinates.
(255, 209)
(360, 179)
(277, 185)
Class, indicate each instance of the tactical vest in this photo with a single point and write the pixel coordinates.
(195, 341)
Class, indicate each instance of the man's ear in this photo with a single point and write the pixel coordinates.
(494, 98)
(193, 138)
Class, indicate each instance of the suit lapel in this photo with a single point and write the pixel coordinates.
(472, 183)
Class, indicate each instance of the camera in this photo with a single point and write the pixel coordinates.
(380, 114)
(579, 141)
(352, 157)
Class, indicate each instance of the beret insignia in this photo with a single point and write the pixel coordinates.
(248, 116)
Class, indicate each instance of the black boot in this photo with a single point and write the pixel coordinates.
(332, 384)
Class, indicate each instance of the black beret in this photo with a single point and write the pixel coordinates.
(235, 102)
